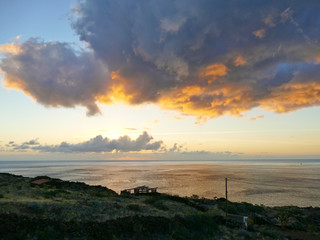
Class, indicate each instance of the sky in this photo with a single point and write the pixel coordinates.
(159, 80)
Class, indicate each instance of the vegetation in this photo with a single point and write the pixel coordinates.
(70, 210)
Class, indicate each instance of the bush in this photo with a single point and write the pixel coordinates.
(134, 207)
(283, 219)
(100, 194)
(160, 205)
(232, 209)
(150, 200)
(35, 206)
(54, 193)
(194, 196)
(157, 203)
(199, 226)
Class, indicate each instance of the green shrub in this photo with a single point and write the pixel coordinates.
(157, 203)
(199, 226)
(160, 205)
(35, 206)
(46, 233)
(194, 196)
(55, 193)
(175, 198)
(150, 200)
(232, 209)
(100, 194)
(283, 219)
(134, 207)
(271, 233)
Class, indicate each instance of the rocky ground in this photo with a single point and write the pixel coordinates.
(46, 208)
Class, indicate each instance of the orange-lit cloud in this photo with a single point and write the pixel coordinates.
(214, 71)
(205, 63)
(119, 91)
(15, 83)
(255, 118)
(54, 75)
(293, 96)
(126, 89)
(176, 117)
(131, 129)
(270, 20)
(239, 61)
(260, 33)
(208, 103)
(12, 48)
(204, 100)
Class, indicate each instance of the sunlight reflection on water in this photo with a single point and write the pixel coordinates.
(269, 183)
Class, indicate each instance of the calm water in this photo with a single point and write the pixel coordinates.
(266, 182)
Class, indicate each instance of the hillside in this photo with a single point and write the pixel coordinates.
(46, 208)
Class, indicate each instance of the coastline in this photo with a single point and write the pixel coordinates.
(72, 209)
(267, 183)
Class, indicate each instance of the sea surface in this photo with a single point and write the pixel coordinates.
(271, 183)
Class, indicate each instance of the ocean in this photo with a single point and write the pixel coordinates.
(271, 183)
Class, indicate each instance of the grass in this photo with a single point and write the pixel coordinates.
(78, 211)
(134, 207)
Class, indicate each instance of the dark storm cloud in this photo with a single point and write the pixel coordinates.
(55, 75)
(203, 58)
(97, 144)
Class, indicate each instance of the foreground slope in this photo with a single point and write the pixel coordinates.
(46, 208)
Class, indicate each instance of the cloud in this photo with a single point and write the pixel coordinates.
(176, 148)
(176, 117)
(55, 75)
(201, 58)
(293, 96)
(257, 117)
(213, 72)
(10, 48)
(131, 129)
(260, 33)
(99, 147)
(239, 60)
(172, 24)
(11, 144)
(32, 142)
(97, 144)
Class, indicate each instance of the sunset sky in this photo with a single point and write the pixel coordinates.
(162, 80)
